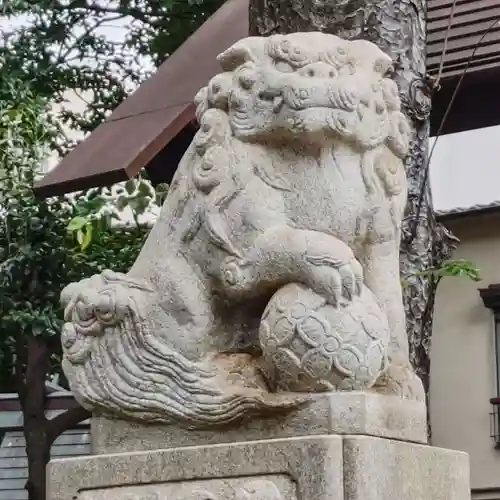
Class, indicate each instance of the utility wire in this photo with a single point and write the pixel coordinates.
(445, 45)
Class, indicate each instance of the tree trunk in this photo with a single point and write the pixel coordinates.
(38, 451)
(39, 432)
(35, 423)
(398, 27)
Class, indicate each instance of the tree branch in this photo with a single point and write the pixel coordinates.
(102, 9)
(62, 56)
(65, 421)
(20, 364)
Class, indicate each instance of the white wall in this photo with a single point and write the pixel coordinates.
(465, 169)
(463, 363)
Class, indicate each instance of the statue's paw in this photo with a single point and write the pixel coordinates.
(93, 307)
(401, 381)
(334, 279)
(235, 274)
(414, 387)
(76, 343)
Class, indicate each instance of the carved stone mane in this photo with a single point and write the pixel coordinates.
(273, 270)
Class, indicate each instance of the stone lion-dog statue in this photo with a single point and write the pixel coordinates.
(272, 272)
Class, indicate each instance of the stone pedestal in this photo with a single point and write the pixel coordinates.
(353, 446)
(305, 468)
(344, 413)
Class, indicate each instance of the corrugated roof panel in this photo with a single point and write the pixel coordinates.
(57, 451)
(472, 25)
(12, 484)
(13, 495)
(440, 10)
(81, 429)
(13, 473)
(81, 438)
(14, 464)
(73, 437)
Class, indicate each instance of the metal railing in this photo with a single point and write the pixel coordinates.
(495, 421)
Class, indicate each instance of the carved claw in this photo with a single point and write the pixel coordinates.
(233, 274)
(358, 276)
(335, 279)
(402, 381)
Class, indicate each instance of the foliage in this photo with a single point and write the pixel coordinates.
(38, 257)
(450, 268)
(86, 56)
(458, 268)
(99, 49)
(96, 210)
(37, 254)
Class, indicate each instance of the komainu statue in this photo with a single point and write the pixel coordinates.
(272, 272)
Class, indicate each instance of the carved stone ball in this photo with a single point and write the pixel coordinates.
(310, 345)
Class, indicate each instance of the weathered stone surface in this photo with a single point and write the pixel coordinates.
(275, 487)
(381, 469)
(273, 270)
(311, 468)
(337, 413)
(288, 469)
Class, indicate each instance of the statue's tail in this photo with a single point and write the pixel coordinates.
(127, 371)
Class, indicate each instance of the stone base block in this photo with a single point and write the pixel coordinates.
(343, 413)
(382, 469)
(304, 468)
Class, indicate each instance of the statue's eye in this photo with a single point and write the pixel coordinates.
(284, 67)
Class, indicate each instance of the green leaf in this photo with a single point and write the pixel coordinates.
(122, 202)
(145, 189)
(461, 268)
(40, 237)
(162, 188)
(80, 235)
(87, 237)
(130, 186)
(451, 268)
(76, 223)
(37, 330)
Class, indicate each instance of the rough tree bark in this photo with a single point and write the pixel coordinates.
(398, 27)
(32, 401)
(33, 364)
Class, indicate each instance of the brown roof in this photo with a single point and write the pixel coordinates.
(475, 27)
(137, 133)
(472, 20)
(155, 113)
